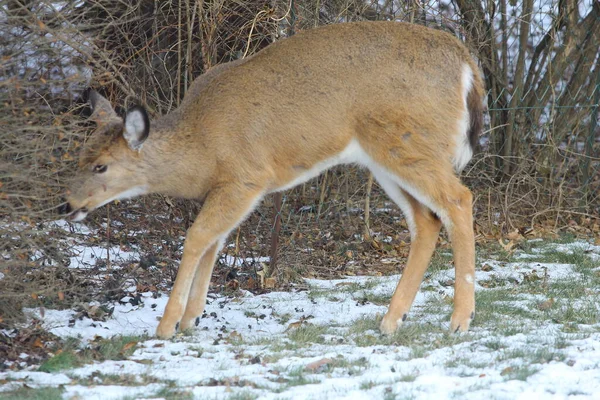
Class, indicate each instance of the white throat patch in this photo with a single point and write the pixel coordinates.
(127, 194)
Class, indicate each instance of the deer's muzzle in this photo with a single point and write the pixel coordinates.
(72, 214)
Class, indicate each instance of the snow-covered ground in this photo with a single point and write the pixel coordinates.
(536, 335)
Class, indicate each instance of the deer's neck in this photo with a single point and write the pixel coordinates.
(175, 168)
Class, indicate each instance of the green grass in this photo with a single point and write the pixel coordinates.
(540, 355)
(420, 337)
(577, 257)
(440, 261)
(297, 377)
(410, 377)
(307, 334)
(66, 359)
(567, 305)
(565, 238)
(493, 251)
(494, 345)
(363, 324)
(172, 393)
(358, 291)
(465, 361)
(33, 394)
(380, 299)
(494, 305)
(71, 355)
(520, 373)
(351, 367)
(282, 318)
(584, 311)
(366, 385)
(296, 338)
(120, 380)
(244, 395)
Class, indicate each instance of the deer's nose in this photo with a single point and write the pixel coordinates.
(65, 208)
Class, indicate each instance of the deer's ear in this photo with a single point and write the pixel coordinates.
(137, 127)
(102, 111)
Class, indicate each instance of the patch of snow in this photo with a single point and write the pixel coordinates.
(110, 392)
(483, 365)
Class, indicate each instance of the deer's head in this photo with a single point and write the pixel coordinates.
(111, 166)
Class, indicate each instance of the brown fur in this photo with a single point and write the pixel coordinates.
(254, 126)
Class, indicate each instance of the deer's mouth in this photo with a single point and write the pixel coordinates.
(78, 215)
(72, 214)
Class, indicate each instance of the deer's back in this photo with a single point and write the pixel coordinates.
(311, 93)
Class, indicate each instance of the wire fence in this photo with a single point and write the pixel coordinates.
(539, 160)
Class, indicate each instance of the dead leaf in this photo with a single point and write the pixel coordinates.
(546, 305)
(507, 247)
(270, 283)
(447, 283)
(61, 296)
(233, 285)
(315, 365)
(145, 362)
(294, 325)
(235, 336)
(128, 346)
(514, 235)
(251, 283)
(487, 268)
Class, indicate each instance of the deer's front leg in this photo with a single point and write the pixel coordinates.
(199, 290)
(222, 211)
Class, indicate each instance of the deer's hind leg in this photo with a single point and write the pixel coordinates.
(441, 191)
(424, 229)
(419, 159)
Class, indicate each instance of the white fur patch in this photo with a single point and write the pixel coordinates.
(469, 278)
(78, 216)
(134, 123)
(127, 194)
(393, 191)
(462, 150)
(354, 154)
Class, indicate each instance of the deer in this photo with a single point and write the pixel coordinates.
(403, 100)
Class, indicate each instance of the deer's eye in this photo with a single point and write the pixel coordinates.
(100, 168)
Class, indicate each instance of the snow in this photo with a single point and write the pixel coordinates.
(109, 392)
(216, 360)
